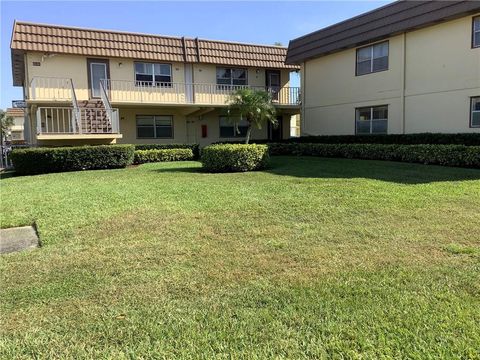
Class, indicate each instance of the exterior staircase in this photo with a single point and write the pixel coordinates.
(93, 117)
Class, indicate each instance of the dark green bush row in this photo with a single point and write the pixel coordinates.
(469, 139)
(194, 147)
(448, 155)
(234, 157)
(157, 155)
(46, 160)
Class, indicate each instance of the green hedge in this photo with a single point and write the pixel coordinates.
(156, 155)
(447, 155)
(58, 159)
(194, 147)
(469, 139)
(234, 157)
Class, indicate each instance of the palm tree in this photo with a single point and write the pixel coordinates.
(6, 123)
(255, 106)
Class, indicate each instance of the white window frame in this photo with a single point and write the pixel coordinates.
(152, 83)
(154, 126)
(357, 113)
(231, 77)
(472, 100)
(475, 19)
(372, 58)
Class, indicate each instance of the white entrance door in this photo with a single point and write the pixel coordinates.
(98, 71)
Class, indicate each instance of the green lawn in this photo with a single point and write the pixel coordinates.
(314, 258)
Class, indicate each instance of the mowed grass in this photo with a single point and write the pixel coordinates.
(314, 258)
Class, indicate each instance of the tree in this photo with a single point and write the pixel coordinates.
(6, 123)
(255, 106)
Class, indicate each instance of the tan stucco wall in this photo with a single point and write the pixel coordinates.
(75, 67)
(187, 128)
(441, 72)
(128, 126)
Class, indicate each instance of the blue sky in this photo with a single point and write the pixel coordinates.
(254, 22)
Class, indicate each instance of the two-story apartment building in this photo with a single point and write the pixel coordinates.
(408, 67)
(87, 86)
(16, 130)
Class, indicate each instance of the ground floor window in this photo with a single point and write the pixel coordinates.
(475, 115)
(227, 128)
(154, 126)
(371, 120)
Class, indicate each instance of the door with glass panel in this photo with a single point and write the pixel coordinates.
(275, 131)
(273, 83)
(98, 70)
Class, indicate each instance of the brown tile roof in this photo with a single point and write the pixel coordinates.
(395, 18)
(91, 42)
(15, 112)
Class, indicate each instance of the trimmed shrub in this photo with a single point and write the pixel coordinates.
(234, 157)
(46, 160)
(447, 155)
(194, 147)
(469, 139)
(155, 155)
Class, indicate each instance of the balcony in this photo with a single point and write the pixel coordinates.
(133, 92)
(81, 123)
(123, 91)
(90, 119)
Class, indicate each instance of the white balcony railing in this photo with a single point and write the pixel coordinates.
(67, 120)
(183, 93)
(51, 88)
(127, 91)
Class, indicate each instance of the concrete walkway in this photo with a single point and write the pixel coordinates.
(17, 239)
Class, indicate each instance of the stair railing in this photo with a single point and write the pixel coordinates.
(112, 114)
(76, 120)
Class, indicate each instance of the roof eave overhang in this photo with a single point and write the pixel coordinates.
(295, 55)
(18, 67)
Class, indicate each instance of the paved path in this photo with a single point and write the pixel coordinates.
(19, 238)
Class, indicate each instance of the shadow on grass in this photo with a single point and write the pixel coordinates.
(403, 173)
(8, 174)
(183, 169)
(324, 168)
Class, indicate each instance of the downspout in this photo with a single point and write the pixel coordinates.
(27, 121)
(404, 70)
(303, 86)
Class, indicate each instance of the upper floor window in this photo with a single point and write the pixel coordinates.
(231, 76)
(372, 58)
(154, 126)
(227, 128)
(475, 114)
(476, 32)
(150, 74)
(371, 120)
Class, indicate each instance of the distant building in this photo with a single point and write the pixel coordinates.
(16, 131)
